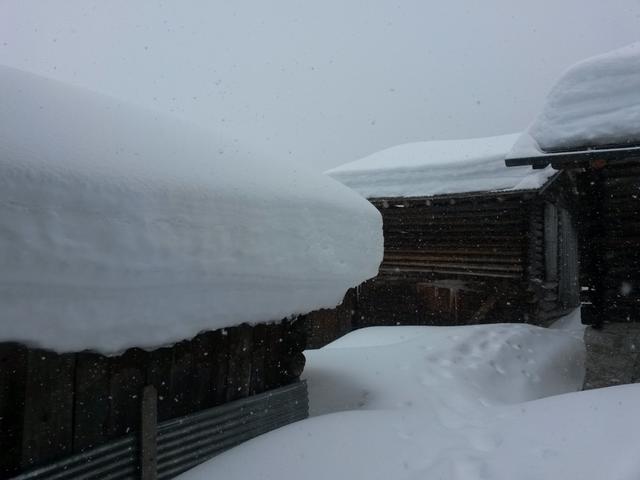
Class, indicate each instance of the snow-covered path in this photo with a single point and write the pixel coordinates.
(449, 403)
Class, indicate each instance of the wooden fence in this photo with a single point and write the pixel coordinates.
(53, 405)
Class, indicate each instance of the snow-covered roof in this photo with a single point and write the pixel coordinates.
(595, 104)
(424, 169)
(121, 227)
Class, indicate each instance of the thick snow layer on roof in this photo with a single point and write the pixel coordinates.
(425, 169)
(595, 103)
(121, 228)
(449, 403)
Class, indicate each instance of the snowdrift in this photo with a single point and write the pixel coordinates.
(435, 368)
(589, 435)
(455, 403)
(121, 227)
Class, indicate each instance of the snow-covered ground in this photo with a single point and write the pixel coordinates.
(121, 227)
(596, 102)
(454, 403)
(422, 367)
(424, 169)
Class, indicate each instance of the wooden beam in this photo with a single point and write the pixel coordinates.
(149, 434)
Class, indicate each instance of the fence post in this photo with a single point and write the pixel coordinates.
(148, 434)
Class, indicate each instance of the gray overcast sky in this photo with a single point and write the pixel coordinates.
(326, 81)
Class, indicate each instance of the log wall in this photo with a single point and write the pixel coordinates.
(553, 257)
(476, 236)
(457, 260)
(451, 260)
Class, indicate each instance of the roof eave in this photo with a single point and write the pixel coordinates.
(577, 159)
(455, 196)
(472, 194)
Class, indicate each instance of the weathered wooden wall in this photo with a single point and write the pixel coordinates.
(613, 237)
(326, 325)
(54, 405)
(475, 236)
(419, 301)
(456, 260)
(553, 255)
(451, 260)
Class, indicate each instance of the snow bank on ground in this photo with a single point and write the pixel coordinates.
(436, 367)
(595, 103)
(450, 403)
(589, 435)
(120, 227)
(441, 167)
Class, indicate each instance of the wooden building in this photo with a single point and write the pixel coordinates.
(588, 129)
(466, 239)
(472, 259)
(145, 269)
(608, 186)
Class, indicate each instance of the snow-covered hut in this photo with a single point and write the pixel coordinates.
(139, 251)
(466, 240)
(589, 127)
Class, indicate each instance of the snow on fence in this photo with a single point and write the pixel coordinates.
(56, 405)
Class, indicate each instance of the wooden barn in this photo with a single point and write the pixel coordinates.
(466, 240)
(588, 130)
(146, 267)
(608, 226)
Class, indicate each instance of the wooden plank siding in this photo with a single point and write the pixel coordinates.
(619, 245)
(451, 260)
(468, 258)
(325, 325)
(47, 428)
(53, 405)
(608, 227)
(91, 400)
(13, 371)
(482, 237)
